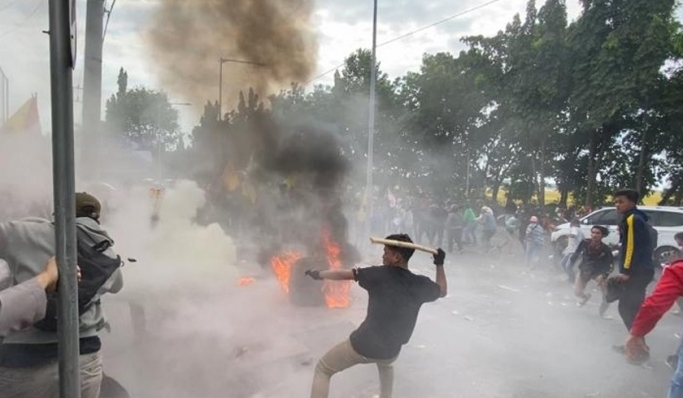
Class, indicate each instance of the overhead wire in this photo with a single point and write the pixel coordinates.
(106, 25)
(403, 36)
(21, 25)
(8, 5)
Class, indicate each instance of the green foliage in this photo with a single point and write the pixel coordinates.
(144, 116)
(594, 105)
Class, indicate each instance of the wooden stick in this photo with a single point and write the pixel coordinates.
(407, 245)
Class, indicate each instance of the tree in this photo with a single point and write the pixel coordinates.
(619, 48)
(143, 116)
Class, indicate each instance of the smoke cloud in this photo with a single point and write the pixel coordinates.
(187, 39)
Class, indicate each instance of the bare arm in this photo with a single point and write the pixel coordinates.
(337, 275)
(439, 259)
(441, 280)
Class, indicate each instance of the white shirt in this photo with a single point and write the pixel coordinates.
(575, 237)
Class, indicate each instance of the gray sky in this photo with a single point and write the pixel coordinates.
(342, 27)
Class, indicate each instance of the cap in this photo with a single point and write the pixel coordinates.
(83, 200)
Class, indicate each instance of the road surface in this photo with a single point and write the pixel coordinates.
(502, 331)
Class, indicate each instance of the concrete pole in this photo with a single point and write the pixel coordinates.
(220, 89)
(92, 83)
(4, 93)
(64, 196)
(371, 127)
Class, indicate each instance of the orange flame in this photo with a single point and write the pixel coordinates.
(336, 292)
(246, 281)
(282, 267)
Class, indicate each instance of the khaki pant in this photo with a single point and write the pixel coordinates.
(43, 381)
(343, 356)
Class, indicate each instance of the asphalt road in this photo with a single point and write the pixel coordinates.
(503, 331)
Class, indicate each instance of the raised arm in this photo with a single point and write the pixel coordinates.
(439, 259)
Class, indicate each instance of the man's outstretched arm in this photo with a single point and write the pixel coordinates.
(439, 259)
(335, 275)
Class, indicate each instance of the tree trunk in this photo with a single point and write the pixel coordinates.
(564, 197)
(541, 172)
(592, 172)
(534, 173)
(640, 171)
(495, 189)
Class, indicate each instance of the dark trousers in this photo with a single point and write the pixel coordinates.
(632, 297)
(486, 236)
(454, 236)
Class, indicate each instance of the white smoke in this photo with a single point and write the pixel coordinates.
(25, 176)
(177, 253)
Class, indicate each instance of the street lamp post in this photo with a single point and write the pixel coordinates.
(220, 80)
(159, 141)
(371, 125)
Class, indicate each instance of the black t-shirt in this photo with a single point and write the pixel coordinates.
(395, 298)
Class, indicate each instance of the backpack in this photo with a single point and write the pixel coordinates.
(654, 235)
(96, 268)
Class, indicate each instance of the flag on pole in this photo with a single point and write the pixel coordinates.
(25, 120)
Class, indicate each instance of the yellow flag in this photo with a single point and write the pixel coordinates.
(25, 120)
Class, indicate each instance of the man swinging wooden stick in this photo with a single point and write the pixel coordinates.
(395, 296)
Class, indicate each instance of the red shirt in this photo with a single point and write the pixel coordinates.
(669, 288)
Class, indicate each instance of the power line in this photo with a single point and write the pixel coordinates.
(21, 25)
(412, 33)
(106, 25)
(8, 5)
(439, 22)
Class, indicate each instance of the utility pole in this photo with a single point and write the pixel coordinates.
(92, 82)
(369, 191)
(220, 80)
(467, 180)
(62, 60)
(4, 97)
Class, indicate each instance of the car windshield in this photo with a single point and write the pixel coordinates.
(602, 217)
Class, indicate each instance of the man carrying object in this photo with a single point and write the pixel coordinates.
(395, 296)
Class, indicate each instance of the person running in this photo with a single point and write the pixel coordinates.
(512, 228)
(669, 288)
(455, 224)
(679, 242)
(488, 221)
(596, 264)
(636, 265)
(534, 242)
(395, 297)
(574, 239)
(470, 225)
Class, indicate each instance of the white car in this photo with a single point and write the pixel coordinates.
(668, 221)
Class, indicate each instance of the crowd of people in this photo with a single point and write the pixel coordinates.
(482, 225)
(29, 276)
(622, 272)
